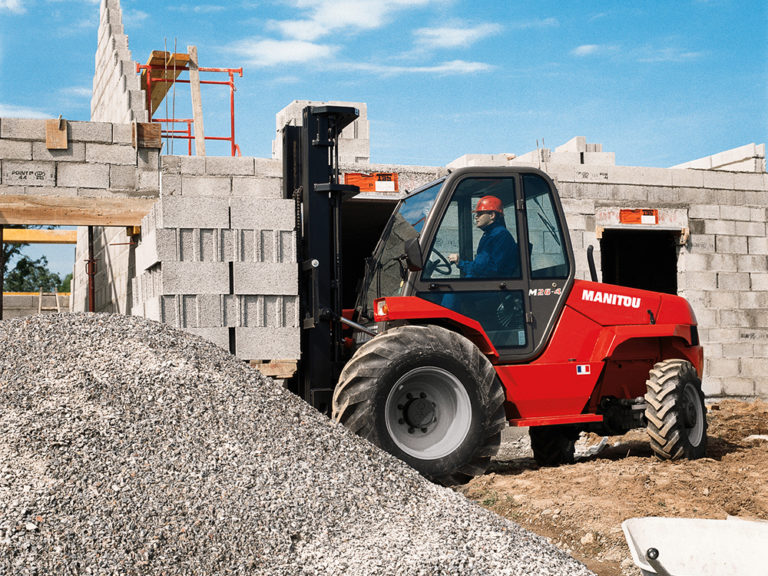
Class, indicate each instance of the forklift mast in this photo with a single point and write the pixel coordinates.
(311, 178)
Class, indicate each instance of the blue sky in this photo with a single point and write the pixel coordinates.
(658, 83)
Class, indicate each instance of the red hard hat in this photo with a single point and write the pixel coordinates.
(489, 204)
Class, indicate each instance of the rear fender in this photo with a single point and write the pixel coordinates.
(611, 337)
(416, 310)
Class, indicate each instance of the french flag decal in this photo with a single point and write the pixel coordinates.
(582, 369)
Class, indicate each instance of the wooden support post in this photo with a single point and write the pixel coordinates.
(197, 103)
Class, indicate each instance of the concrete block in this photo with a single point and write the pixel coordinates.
(195, 278)
(23, 129)
(262, 214)
(738, 350)
(753, 263)
(84, 175)
(733, 281)
(218, 336)
(704, 211)
(170, 164)
(90, 132)
(192, 165)
(753, 228)
(712, 387)
(731, 244)
(722, 227)
(758, 214)
(752, 300)
(122, 134)
(743, 213)
(148, 159)
(272, 278)
(210, 312)
(122, 177)
(148, 182)
(170, 184)
(721, 300)
(747, 181)
(755, 368)
(719, 180)
(722, 335)
(267, 343)
(182, 212)
(229, 166)
(699, 280)
(110, 154)
(702, 243)
(268, 168)
(15, 150)
(757, 245)
(687, 178)
(723, 368)
(22, 173)
(758, 281)
(75, 152)
(739, 387)
(257, 187)
(206, 186)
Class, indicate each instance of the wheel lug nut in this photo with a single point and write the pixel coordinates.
(411, 430)
(424, 430)
(409, 396)
(423, 395)
(400, 407)
(401, 421)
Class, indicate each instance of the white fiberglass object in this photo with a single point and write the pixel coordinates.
(698, 547)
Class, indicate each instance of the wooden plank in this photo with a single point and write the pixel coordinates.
(73, 211)
(34, 236)
(276, 368)
(56, 134)
(197, 103)
(147, 135)
(174, 64)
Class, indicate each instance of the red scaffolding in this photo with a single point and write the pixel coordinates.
(160, 72)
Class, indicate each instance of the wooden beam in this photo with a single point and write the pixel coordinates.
(74, 211)
(197, 102)
(173, 65)
(34, 236)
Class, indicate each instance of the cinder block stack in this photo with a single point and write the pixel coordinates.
(217, 256)
(117, 94)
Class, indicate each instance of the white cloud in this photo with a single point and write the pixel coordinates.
(538, 23)
(454, 67)
(650, 54)
(586, 50)
(323, 17)
(77, 91)
(274, 52)
(15, 6)
(13, 111)
(454, 36)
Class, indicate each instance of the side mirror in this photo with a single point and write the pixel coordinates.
(414, 259)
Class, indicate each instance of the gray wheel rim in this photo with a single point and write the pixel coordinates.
(694, 418)
(428, 413)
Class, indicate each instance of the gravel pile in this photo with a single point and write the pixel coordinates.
(128, 447)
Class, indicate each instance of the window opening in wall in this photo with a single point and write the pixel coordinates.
(645, 259)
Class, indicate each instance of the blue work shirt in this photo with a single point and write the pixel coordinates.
(497, 255)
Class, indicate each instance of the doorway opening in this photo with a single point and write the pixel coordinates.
(645, 259)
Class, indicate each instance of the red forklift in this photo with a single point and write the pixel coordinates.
(444, 348)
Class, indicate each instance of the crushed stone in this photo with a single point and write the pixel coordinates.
(129, 447)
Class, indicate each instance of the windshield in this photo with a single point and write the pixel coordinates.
(383, 271)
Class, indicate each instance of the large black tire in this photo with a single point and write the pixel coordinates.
(429, 397)
(675, 411)
(553, 445)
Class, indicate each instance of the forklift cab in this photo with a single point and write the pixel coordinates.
(517, 306)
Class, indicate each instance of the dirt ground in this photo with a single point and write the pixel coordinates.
(580, 507)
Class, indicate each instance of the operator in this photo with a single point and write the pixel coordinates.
(497, 253)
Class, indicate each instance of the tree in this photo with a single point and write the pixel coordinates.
(32, 276)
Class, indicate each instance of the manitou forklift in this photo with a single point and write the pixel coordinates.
(435, 358)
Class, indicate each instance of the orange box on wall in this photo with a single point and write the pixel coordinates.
(376, 182)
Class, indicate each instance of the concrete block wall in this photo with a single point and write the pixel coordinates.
(355, 140)
(117, 94)
(722, 267)
(217, 256)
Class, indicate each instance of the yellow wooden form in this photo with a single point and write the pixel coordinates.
(173, 65)
(33, 236)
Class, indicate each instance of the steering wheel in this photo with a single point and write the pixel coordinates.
(442, 265)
